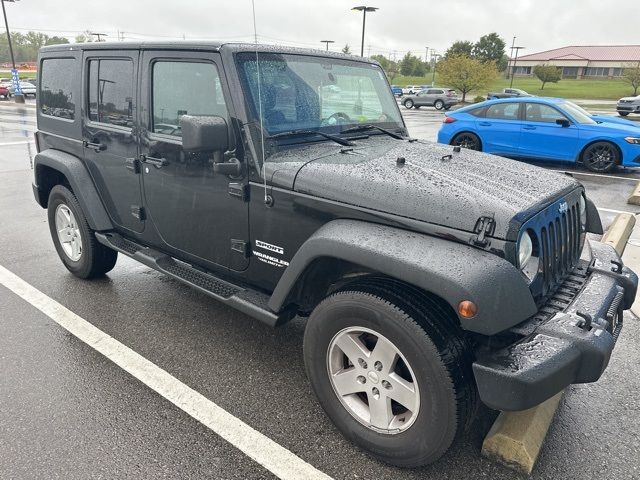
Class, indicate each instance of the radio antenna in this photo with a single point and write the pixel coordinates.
(264, 163)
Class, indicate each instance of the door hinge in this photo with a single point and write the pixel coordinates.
(240, 246)
(484, 227)
(133, 165)
(138, 212)
(239, 190)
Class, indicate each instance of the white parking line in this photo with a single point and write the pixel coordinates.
(2, 144)
(610, 210)
(584, 174)
(275, 458)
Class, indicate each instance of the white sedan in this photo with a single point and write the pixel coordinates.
(26, 87)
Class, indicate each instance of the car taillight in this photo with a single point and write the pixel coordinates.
(450, 94)
(448, 120)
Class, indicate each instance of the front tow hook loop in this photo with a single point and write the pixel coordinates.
(585, 324)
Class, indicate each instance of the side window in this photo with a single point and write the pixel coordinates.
(184, 88)
(111, 91)
(56, 78)
(503, 111)
(538, 112)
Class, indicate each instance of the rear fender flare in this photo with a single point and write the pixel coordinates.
(74, 170)
(450, 270)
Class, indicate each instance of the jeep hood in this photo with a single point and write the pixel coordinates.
(434, 185)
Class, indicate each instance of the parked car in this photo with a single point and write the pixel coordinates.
(396, 90)
(4, 91)
(508, 93)
(411, 89)
(419, 267)
(27, 88)
(440, 98)
(544, 129)
(628, 105)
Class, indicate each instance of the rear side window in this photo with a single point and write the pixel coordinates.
(503, 111)
(111, 91)
(184, 88)
(56, 79)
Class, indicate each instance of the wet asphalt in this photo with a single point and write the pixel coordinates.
(67, 412)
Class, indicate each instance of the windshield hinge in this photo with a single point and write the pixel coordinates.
(484, 227)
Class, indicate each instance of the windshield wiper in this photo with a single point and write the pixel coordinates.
(296, 133)
(362, 128)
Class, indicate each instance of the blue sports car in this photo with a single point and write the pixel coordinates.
(544, 129)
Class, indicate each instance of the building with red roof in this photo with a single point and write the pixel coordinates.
(582, 61)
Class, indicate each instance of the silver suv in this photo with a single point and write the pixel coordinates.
(628, 105)
(432, 97)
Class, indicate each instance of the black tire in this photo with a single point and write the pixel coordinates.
(408, 104)
(95, 259)
(623, 114)
(447, 107)
(439, 104)
(600, 157)
(467, 140)
(431, 341)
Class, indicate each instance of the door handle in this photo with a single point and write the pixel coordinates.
(485, 124)
(156, 162)
(95, 146)
(529, 127)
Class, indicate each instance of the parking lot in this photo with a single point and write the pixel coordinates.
(69, 412)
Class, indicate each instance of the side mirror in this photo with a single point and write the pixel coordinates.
(563, 122)
(204, 134)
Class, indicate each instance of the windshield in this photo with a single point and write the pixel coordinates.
(579, 114)
(302, 92)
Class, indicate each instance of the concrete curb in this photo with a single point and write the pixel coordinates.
(516, 438)
(617, 235)
(634, 199)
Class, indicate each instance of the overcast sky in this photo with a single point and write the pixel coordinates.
(399, 25)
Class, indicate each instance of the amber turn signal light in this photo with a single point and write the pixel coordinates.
(467, 309)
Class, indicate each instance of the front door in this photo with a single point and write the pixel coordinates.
(109, 136)
(193, 209)
(543, 138)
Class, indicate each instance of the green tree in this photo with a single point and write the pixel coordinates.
(389, 66)
(86, 37)
(631, 75)
(461, 47)
(56, 40)
(412, 65)
(346, 49)
(490, 48)
(466, 74)
(503, 63)
(547, 74)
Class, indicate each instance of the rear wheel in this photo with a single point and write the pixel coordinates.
(408, 104)
(623, 114)
(600, 157)
(74, 240)
(439, 104)
(393, 376)
(467, 140)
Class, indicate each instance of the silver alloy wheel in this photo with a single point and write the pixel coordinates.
(373, 380)
(68, 232)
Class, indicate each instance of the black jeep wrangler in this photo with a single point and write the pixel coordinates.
(282, 182)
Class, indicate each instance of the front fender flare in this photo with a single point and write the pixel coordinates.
(450, 270)
(80, 182)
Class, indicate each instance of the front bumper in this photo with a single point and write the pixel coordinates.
(563, 349)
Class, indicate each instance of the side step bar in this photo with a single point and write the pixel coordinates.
(251, 302)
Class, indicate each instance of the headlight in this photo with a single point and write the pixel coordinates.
(525, 249)
(583, 210)
(634, 140)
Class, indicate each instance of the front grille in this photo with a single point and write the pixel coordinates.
(559, 240)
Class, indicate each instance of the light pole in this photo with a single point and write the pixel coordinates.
(17, 92)
(434, 57)
(327, 42)
(364, 9)
(515, 62)
(513, 42)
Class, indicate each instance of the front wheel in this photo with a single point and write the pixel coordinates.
(408, 104)
(392, 376)
(74, 240)
(467, 140)
(623, 114)
(439, 104)
(601, 157)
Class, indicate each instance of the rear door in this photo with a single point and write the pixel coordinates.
(109, 133)
(500, 129)
(543, 138)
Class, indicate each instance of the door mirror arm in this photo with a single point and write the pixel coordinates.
(563, 122)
